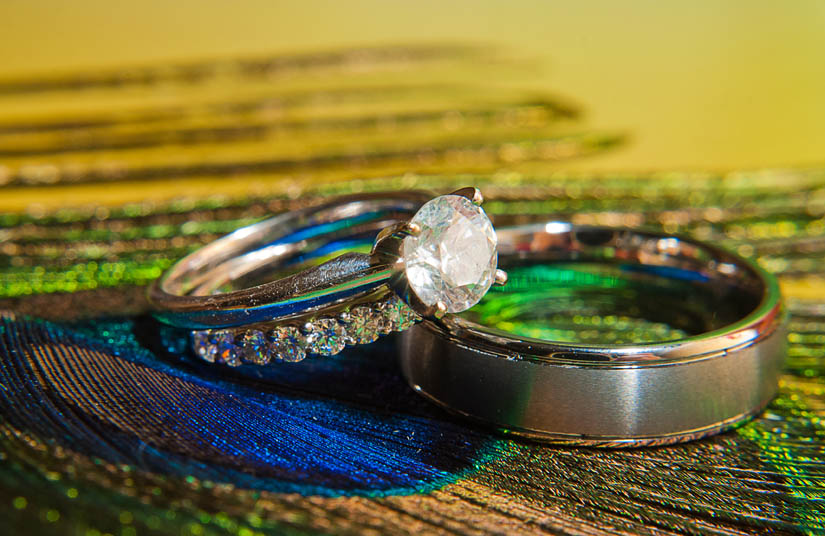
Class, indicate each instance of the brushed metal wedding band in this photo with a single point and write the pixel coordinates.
(612, 395)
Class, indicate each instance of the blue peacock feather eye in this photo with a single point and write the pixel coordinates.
(333, 427)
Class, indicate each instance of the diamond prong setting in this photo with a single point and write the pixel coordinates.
(451, 264)
(472, 193)
(413, 228)
(440, 310)
(501, 278)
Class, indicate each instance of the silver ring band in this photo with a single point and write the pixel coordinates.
(612, 395)
(185, 295)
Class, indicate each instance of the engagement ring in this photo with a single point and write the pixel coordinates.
(241, 306)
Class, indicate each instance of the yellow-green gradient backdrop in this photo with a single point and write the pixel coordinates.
(698, 85)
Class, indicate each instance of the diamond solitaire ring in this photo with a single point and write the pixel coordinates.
(303, 283)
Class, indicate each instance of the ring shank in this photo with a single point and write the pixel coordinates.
(188, 294)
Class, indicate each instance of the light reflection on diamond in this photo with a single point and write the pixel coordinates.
(254, 347)
(226, 351)
(287, 344)
(453, 260)
(362, 325)
(203, 346)
(325, 336)
(398, 314)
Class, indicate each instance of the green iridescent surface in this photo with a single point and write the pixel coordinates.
(569, 303)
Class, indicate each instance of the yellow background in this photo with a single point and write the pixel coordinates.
(698, 85)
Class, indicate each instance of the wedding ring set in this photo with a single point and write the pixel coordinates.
(312, 281)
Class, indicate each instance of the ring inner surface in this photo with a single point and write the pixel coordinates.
(269, 264)
(291, 253)
(607, 286)
(251, 255)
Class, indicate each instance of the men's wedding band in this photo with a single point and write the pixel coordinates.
(725, 371)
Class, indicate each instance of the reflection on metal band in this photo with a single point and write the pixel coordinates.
(186, 294)
(721, 371)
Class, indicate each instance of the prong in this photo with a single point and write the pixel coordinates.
(471, 193)
(501, 277)
(412, 228)
(440, 310)
(436, 311)
(387, 246)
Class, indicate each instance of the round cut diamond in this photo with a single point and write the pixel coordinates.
(255, 349)
(363, 326)
(453, 260)
(406, 317)
(204, 348)
(397, 315)
(325, 336)
(287, 344)
(226, 350)
(383, 318)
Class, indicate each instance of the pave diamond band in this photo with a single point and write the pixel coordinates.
(428, 258)
(323, 336)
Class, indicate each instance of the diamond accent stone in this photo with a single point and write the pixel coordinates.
(406, 316)
(453, 260)
(325, 336)
(203, 346)
(383, 318)
(225, 349)
(397, 315)
(255, 348)
(287, 344)
(362, 325)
